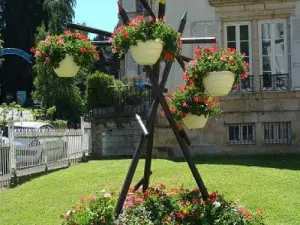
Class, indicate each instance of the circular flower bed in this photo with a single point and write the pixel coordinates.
(158, 206)
(69, 47)
(139, 31)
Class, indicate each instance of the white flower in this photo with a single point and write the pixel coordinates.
(107, 195)
(217, 204)
(103, 191)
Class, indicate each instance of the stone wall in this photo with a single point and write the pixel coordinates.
(249, 108)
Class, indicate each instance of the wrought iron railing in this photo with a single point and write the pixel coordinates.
(241, 134)
(275, 82)
(245, 85)
(126, 102)
(277, 133)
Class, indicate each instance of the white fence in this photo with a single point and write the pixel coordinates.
(34, 151)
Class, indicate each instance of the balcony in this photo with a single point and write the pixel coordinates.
(275, 82)
(244, 86)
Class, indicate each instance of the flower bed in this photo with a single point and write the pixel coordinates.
(159, 206)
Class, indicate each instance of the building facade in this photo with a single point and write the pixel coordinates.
(263, 114)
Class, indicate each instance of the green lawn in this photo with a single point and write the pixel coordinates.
(268, 182)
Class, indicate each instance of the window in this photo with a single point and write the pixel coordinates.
(238, 36)
(277, 133)
(273, 55)
(241, 134)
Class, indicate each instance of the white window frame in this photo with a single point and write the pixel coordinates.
(272, 43)
(238, 44)
(241, 141)
(276, 139)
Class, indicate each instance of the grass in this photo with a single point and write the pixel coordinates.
(268, 182)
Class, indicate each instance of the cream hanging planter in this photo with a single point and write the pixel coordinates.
(194, 122)
(218, 83)
(147, 53)
(67, 67)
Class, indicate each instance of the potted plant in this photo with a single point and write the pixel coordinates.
(66, 53)
(192, 107)
(216, 70)
(147, 40)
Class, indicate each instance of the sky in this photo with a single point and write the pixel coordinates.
(101, 14)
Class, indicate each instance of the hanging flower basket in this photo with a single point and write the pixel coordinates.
(192, 107)
(149, 41)
(67, 67)
(218, 83)
(194, 122)
(66, 53)
(216, 70)
(147, 53)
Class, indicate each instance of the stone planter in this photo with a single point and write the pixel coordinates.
(218, 83)
(147, 53)
(194, 121)
(67, 67)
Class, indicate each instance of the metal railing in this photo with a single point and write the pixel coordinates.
(241, 134)
(277, 133)
(245, 85)
(275, 82)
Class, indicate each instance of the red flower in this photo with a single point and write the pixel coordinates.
(166, 220)
(168, 56)
(182, 114)
(180, 215)
(83, 50)
(186, 76)
(32, 50)
(128, 204)
(223, 57)
(68, 33)
(244, 75)
(185, 105)
(191, 83)
(133, 23)
(139, 18)
(235, 86)
(172, 110)
(197, 52)
(97, 55)
(125, 34)
(37, 54)
(60, 41)
(212, 196)
(161, 186)
(196, 99)
(247, 65)
(181, 88)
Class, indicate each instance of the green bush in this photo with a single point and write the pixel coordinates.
(99, 92)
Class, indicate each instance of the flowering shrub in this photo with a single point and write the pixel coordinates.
(92, 210)
(53, 50)
(213, 59)
(158, 206)
(143, 30)
(189, 100)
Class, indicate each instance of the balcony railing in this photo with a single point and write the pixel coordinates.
(275, 82)
(245, 85)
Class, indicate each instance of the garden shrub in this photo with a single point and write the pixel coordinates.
(158, 206)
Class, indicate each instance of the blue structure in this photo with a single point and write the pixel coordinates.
(18, 52)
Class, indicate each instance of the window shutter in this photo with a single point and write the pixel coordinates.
(131, 67)
(295, 52)
(207, 29)
(129, 5)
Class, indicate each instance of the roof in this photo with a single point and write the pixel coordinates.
(35, 125)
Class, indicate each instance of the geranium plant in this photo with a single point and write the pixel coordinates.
(189, 100)
(54, 49)
(159, 206)
(143, 30)
(208, 60)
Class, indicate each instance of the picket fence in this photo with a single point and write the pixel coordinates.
(30, 152)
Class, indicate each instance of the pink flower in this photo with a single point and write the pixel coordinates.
(224, 57)
(128, 204)
(244, 75)
(68, 33)
(133, 23)
(193, 63)
(37, 54)
(209, 57)
(60, 41)
(139, 18)
(186, 76)
(161, 186)
(114, 50)
(32, 50)
(185, 105)
(110, 40)
(83, 50)
(138, 200)
(48, 39)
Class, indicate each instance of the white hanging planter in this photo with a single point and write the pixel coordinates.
(218, 83)
(67, 67)
(147, 53)
(194, 122)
